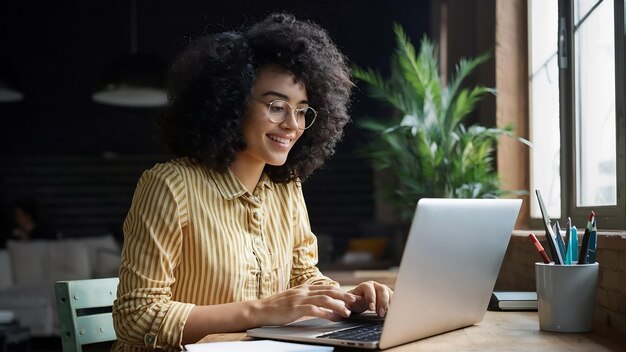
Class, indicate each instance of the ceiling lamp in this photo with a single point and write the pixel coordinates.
(8, 91)
(8, 94)
(137, 80)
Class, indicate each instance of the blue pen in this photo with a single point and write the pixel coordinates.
(568, 242)
(591, 252)
(573, 246)
(559, 240)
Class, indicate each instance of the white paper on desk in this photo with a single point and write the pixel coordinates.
(256, 346)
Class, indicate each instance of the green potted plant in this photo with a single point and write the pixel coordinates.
(425, 146)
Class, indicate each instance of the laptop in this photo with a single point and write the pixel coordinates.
(448, 271)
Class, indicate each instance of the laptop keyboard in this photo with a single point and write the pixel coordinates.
(369, 332)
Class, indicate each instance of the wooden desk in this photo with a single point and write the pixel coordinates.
(499, 331)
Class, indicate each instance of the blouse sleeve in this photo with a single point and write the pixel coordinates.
(304, 270)
(144, 314)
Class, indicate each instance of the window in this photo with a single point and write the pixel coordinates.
(545, 156)
(594, 99)
(576, 84)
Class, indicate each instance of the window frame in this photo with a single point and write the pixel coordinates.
(613, 217)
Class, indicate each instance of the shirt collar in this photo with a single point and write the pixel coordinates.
(265, 181)
(230, 187)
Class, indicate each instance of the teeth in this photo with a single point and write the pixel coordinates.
(280, 140)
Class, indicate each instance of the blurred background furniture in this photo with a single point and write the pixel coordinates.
(14, 337)
(29, 269)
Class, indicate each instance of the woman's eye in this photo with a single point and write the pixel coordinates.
(277, 108)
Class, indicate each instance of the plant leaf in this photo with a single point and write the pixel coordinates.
(425, 144)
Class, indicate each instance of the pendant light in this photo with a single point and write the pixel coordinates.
(136, 80)
(8, 91)
(8, 94)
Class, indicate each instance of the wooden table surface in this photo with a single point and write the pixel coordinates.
(499, 331)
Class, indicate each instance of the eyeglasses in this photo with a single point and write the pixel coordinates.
(279, 110)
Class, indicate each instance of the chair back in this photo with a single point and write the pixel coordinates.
(84, 308)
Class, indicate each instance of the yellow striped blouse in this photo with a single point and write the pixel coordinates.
(194, 236)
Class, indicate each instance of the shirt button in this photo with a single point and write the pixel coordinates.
(256, 215)
(149, 339)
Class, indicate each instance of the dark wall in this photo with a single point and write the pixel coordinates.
(469, 27)
(58, 51)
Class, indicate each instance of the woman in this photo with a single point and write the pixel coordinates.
(219, 239)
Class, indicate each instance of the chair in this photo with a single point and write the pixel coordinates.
(84, 308)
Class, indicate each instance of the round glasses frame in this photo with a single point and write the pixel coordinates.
(278, 110)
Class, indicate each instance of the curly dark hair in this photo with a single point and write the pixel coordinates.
(210, 84)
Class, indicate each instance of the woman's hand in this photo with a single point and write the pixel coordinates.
(328, 302)
(371, 296)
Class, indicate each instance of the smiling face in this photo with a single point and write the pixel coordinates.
(268, 142)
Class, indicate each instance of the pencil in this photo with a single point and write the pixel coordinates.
(542, 251)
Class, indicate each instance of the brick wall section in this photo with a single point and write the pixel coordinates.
(518, 273)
